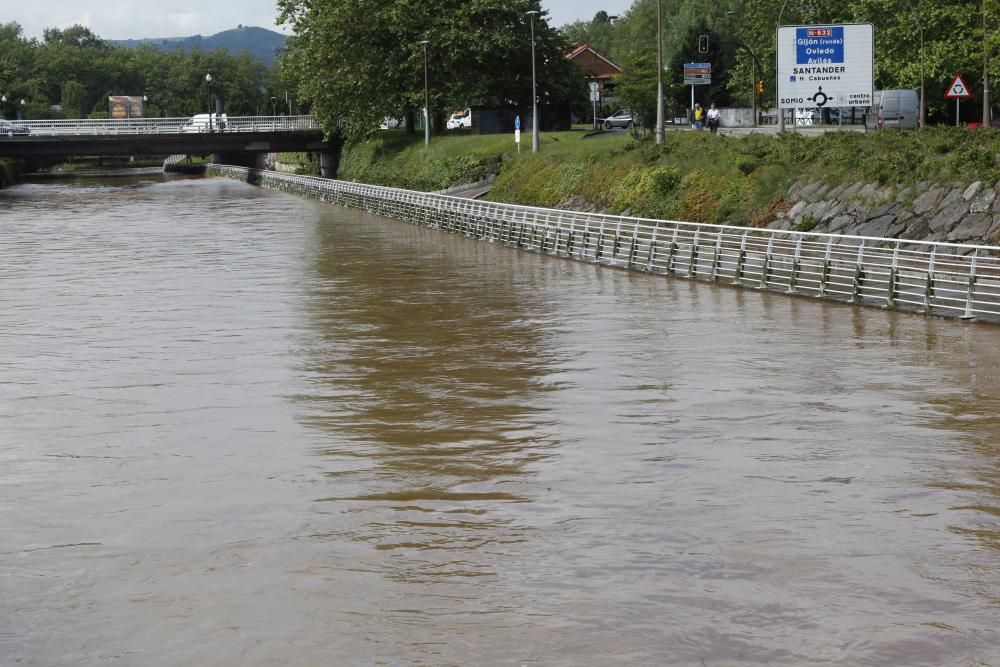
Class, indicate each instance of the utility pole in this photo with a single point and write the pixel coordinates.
(986, 71)
(659, 76)
(534, 92)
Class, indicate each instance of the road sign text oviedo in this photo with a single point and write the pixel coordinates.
(826, 65)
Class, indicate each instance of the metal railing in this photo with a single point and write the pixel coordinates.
(934, 278)
(183, 125)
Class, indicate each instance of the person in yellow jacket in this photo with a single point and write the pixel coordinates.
(698, 117)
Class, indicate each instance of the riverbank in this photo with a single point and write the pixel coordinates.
(852, 181)
(8, 172)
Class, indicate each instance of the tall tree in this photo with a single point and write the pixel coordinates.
(360, 60)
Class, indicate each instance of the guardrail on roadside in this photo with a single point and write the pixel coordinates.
(950, 279)
(132, 126)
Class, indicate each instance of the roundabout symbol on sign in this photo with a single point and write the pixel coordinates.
(820, 98)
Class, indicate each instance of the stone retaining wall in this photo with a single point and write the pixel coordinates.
(927, 212)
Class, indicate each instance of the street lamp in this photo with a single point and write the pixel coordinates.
(22, 109)
(208, 79)
(427, 98)
(781, 112)
(986, 72)
(534, 94)
(659, 77)
(3, 106)
(920, 31)
(274, 108)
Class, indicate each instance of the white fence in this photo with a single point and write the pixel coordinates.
(130, 126)
(935, 278)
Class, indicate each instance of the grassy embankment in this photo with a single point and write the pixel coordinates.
(692, 176)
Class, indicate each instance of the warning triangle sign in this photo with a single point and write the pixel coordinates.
(958, 90)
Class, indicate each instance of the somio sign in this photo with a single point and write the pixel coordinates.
(826, 65)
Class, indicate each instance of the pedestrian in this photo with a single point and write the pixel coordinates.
(713, 118)
(698, 117)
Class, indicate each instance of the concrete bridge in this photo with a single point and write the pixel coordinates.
(244, 140)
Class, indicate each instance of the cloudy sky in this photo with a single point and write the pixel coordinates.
(120, 19)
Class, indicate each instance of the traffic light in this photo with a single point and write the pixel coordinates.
(702, 43)
(760, 87)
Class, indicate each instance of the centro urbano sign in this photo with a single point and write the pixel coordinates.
(826, 65)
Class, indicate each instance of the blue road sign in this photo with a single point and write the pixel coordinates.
(517, 122)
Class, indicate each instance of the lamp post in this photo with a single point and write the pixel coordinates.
(986, 71)
(145, 99)
(3, 106)
(22, 109)
(659, 77)
(781, 112)
(208, 79)
(427, 98)
(920, 32)
(534, 93)
(274, 105)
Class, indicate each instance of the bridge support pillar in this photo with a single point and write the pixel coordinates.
(328, 163)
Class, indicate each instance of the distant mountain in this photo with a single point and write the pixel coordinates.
(261, 42)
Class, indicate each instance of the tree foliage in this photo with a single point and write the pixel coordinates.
(954, 40)
(360, 60)
(78, 70)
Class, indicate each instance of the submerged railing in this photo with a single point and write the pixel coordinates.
(935, 278)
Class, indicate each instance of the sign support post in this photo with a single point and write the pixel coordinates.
(958, 91)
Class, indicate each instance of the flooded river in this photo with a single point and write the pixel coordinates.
(239, 428)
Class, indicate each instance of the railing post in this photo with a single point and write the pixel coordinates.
(969, 313)
(715, 255)
(693, 258)
(825, 275)
(740, 259)
(652, 249)
(793, 276)
(890, 297)
(631, 250)
(859, 275)
(767, 264)
(929, 285)
(672, 251)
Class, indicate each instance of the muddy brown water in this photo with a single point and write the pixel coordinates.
(242, 428)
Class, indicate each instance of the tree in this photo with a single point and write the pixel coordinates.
(359, 60)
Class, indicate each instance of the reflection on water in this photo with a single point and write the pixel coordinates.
(240, 428)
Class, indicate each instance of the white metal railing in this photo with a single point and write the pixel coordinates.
(145, 126)
(938, 278)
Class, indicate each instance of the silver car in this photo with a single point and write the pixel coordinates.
(622, 118)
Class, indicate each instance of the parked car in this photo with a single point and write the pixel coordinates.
(9, 129)
(390, 123)
(460, 119)
(621, 118)
(206, 122)
(976, 126)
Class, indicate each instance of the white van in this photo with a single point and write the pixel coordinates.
(205, 122)
(898, 109)
(460, 119)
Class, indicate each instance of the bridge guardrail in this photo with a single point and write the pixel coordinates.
(950, 279)
(148, 126)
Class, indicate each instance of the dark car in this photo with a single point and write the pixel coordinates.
(9, 129)
(622, 118)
